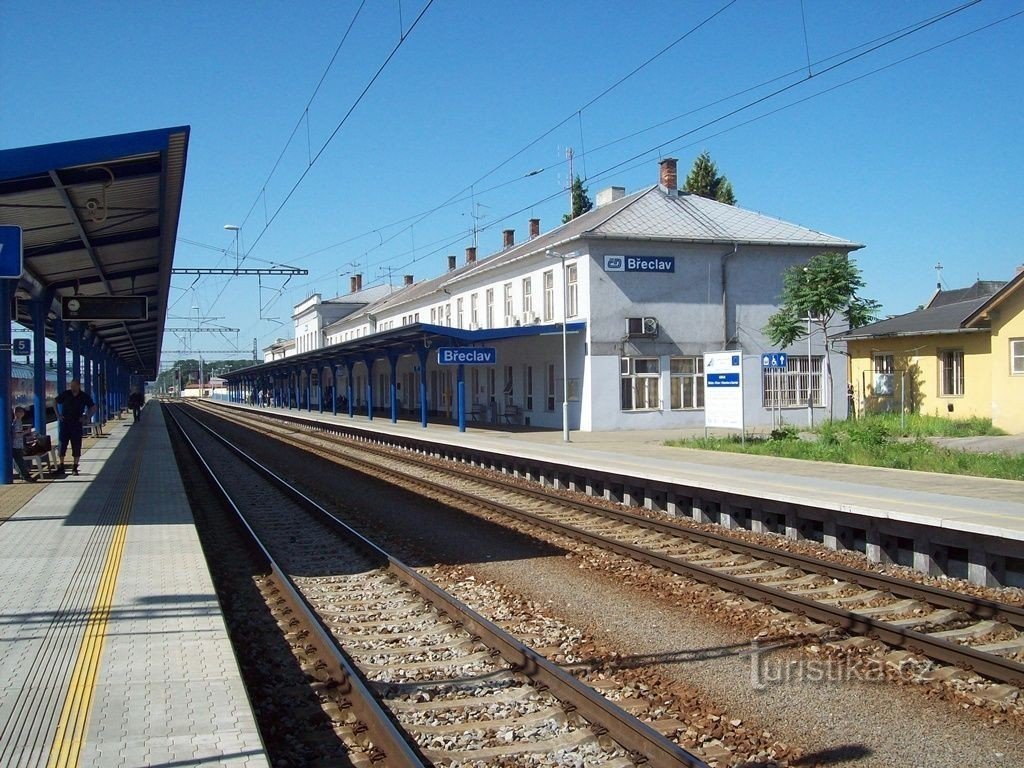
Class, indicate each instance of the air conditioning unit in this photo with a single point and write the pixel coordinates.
(641, 327)
(510, 321)
(474, 326)
(529, 318)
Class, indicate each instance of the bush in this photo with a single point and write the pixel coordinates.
(784, 432)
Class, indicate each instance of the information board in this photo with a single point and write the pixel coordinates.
(104, 308)
(723, 390)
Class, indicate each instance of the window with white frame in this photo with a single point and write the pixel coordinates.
(549, 385)
(474, 310)
(508, 300)
(549, 295)
(458, 311)
(687, 382)
(951, 372)
(527, 294)
(1017, 357)
(641, 383)
(884, 363)
(572, 290)
(448, 314)
(433, 315)
(789, 388)
(489, 307)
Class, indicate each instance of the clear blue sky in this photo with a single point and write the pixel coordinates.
(921, 162)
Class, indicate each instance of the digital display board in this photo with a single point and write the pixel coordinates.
(104, 308)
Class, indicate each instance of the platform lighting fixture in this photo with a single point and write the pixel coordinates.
(236, 229)
(565, 358)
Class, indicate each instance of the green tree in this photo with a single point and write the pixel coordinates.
(705, 181)
(580, 202)
(824, 289)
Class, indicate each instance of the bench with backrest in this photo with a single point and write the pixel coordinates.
(512, 414)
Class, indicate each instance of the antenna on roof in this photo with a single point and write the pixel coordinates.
(938, 276)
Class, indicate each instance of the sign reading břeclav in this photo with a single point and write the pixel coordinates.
(104, 308)
(467, 355)
(639, 263)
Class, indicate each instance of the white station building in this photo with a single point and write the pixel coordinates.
(646, 284)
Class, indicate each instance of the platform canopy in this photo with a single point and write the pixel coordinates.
(99, 218)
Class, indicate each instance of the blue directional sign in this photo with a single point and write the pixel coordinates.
(467, 356)
(774, 360)
(640, 263)
(21, 346)
(10, 251)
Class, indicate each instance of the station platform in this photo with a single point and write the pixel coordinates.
(113, 649)
(969, 505)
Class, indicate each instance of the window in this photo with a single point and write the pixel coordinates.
(527, 295)
(641, 379)
(448, 314)
(507, 389)
(572, 283)
(884, 364)
(885, 380)
(951, 372)
(433, 315)
(508, 300)
(458, 311)
(549, 295)
(528, 385)
(550, 385)
(1017, 357)
(474, 310)
(789, 388)
(489, 307)
(687, 382)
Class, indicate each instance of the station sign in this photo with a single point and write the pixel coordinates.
(10, 251)
(723, 391)
(104, 308)
(467, 356)
(774, 360)
(21, 346)
(655, 264)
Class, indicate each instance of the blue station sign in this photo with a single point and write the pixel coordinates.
(657, 264)
(21, 346)
(774, 360)
(10, 251)
(467, 356)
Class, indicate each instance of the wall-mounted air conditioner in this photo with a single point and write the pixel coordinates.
(529, 318)
(510, 321)
(641, 327)
(474, 326)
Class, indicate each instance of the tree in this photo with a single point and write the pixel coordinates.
(704, 180)
(824, 288)
(580, 202)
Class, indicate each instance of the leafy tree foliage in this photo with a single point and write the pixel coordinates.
(824, 289)
(580, 202)
(704, 180)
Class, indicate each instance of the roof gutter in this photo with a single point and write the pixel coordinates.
(903, 334)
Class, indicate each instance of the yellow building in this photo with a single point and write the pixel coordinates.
(960, 356)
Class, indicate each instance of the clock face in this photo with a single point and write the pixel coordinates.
(74, 305)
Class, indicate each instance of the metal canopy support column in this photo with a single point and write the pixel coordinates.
(334, 388)
(462, 397)
(393, 360)
(62, 353)
(320, 387)
(86, 366)
(76, 353)
(349, 365)
(368, 360)
(309, 389)
(7, 288)
(37, 307)
(421, 353)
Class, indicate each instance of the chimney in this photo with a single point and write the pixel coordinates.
(471, 254)
(509, 238)
(352, 284)
(359, 281)
(610, 195)
(451, 263)
(407, 280)
(534, 228)
(667, 178)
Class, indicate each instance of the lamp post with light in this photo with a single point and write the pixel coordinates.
(236, 229)
(565, 356)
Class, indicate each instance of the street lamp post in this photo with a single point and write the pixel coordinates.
(236, 229)
(565, 343)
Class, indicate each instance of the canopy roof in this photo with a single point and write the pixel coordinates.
(99, 217)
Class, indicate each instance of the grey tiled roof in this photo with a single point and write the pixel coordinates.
(947, 318)
(982, 289)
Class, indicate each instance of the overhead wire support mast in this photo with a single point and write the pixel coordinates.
(229, 271)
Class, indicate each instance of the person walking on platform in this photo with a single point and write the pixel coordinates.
(72, 405)
(18, 444)
(135, 403)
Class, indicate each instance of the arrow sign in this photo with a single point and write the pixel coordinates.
(774, 360)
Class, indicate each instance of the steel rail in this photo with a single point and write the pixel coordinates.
(989, 665)
(644, 742)
(389, 741)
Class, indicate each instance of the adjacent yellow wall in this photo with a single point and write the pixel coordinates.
(918, 355)
(1007, 389)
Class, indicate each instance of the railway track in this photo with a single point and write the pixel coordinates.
(979, 635)
(429, 681)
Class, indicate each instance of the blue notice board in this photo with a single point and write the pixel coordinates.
(10, 251)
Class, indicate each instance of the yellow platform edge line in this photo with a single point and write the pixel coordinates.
(74, 717)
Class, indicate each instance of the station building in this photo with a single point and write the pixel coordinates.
(645, 283)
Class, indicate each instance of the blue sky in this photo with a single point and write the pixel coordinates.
(920, 161)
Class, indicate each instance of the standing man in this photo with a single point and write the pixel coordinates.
(72, 405)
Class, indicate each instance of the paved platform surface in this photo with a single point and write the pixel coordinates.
(972, 504)
(113, 650)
